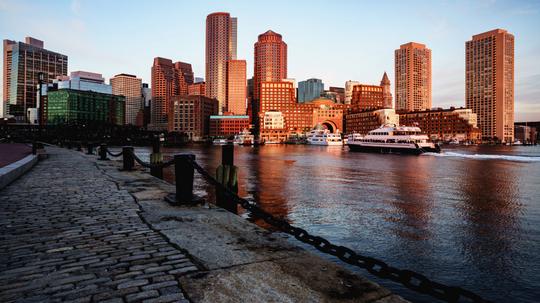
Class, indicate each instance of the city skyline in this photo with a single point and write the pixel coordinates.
(309, 40)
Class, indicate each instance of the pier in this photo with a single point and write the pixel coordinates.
(78, 229)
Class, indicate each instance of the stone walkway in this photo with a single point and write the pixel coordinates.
(68, 233)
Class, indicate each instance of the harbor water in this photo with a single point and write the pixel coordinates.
(468, 217)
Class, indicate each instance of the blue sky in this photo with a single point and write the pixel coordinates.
(332, 40)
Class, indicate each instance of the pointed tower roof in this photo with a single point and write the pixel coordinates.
(385, 80)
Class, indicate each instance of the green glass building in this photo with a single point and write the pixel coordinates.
(68, 106)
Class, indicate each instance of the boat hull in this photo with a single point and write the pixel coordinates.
(392, 149)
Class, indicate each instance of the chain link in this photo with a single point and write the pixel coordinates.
(114, 155)
(150, 165)
(378, 268)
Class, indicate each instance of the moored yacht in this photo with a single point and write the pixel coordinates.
(323, 137)
(393, 139)
(244, 138)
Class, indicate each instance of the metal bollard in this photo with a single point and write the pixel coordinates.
(90, 147)
(155, 158)
(227, 174)
(34, 148)
(127, 158)
(184, 173)
(103, 152)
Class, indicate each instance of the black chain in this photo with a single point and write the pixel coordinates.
(114, 155)
(408, 278)
(150, 165)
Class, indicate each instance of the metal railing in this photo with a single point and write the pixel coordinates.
(184, 167)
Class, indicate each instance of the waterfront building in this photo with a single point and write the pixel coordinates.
(370, 97)
(309, 89)
(270, 60)
(130, 87)
(340, 94)
(23, 62)
(236, 87)
(197, 89)
(489, 83)
(526, 134)
(349, 90)
(273, 129)
(167, 81)
(70, 106)
(221, 31)
(444, 124)
(228, 125)
(365, 121)
(413, 77)
(190, 115)
(85, 81)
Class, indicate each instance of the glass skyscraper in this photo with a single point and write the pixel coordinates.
(310, 89)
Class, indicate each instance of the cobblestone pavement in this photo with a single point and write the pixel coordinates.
(67, 233)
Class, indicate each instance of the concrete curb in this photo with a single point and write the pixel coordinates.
(11, 172)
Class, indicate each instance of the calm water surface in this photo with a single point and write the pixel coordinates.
(469, 217)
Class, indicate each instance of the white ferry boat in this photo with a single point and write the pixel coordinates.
(244, 138)
(219, 141)
(323, 137)
(393, 139)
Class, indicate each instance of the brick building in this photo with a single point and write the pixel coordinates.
(444, 124)
(228, 125)
(413, 77)
(191, 115)
(197, 89)
(364, 121)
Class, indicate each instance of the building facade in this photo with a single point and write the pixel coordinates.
(270, 60)
(167, 81)
(23, 62)
(221, 31)
(228, 125)
(526, 134)
(131, 88)
(309, 89)
(445, 124)
(236, 87)
(197, 89)
(367, 97)
(368, 120)
(489, 83)
(69, 106)
(191, 115)
(413, 77)
(349, 90)
(340, 94)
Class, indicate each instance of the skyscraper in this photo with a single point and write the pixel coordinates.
(270, 60)
(387, 94)
(220, 47)
(167, 81)
(131, 87)
(349, 90)
(489, 80)
(310, 89)
(236, 87)
(413, 77)
(23, 62)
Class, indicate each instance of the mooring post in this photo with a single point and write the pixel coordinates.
(90, 147)
(184, 173)
(127, 158)
(227, 175)
(34, 147)
(103, 151)
(79, 146)
(69, 144)
(156, 158)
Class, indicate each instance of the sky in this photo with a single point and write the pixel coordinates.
(333, 40)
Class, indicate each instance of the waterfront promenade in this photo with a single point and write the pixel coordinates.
(77, 229)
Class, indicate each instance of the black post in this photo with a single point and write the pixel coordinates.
(226, 175)
(127, 157)
(34, 148)
(103, 152)
(69, 145)
(90, 147)
(184, 172)
(79, 146)
(156, 158)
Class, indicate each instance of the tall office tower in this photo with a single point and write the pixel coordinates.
(387, 94)
(309, 89)
(270, 60)
(236, 87)
(167, 80)
(130, 87)
(187, 72)
(349, 90)
(23, 62)
(489, 78)
(413, 77)
(220, 47)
